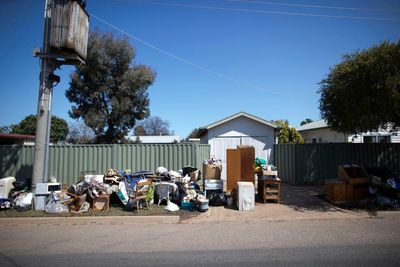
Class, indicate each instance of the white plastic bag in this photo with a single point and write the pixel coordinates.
(122, 194)
(23, 201)
(171, 207)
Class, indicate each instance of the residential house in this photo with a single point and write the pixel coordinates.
(17, 139)
(319, 132)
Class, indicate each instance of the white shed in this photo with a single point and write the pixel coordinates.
(240, 129)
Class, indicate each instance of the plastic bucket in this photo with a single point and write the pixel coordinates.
(203, 205)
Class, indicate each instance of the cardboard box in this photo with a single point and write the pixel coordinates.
(211, 171)
(101, 203)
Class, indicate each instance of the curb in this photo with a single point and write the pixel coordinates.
(99, 220)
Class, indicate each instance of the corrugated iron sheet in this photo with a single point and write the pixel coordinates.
(68, 163)
(313, 163)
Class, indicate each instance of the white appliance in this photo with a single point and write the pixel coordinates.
(6, 184)
(42, 191)
(213, 185)
(246, 198)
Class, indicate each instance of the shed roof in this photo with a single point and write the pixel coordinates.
(204, 129)
(313, 125)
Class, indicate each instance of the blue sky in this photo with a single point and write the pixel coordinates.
(251, 59)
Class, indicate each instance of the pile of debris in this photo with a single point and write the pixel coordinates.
(176, 189)
(376, 186)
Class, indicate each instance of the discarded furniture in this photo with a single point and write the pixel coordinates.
(351, 185)
(140, 193)
(245, 196)
(213, 185)
(269, 189)
(164, 190)
(101, 203)
(240, 166)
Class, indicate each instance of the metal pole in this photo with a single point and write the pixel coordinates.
(43, 120)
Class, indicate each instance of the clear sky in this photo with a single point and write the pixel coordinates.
(213, 58)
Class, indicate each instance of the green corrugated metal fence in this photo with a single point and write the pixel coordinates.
(313, 163)
(66, 163)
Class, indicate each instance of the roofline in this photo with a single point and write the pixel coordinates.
(17, 136)
(236, 115)
(312, 128)
(309, 129)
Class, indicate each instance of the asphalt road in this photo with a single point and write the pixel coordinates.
(347, 242)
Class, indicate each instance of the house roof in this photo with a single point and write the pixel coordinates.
(313, 125)
(204, 129)
(17, 136)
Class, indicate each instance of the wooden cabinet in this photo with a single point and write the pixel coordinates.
(240, 166)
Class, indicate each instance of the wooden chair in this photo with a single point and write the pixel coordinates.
(140, 193)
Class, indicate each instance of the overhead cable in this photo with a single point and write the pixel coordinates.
(260, 11)
(218, 74)
(314, 6)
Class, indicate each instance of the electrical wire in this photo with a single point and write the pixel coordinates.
(260, 11)
(218, 74)
(314, 6)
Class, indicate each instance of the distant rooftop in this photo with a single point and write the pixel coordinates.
(156, 139)
(312, 125)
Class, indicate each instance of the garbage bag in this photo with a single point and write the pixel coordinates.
(23, 201)
(161, 170)
(217, 200)
(54, 205)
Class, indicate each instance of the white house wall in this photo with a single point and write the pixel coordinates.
(394, 137)
(323, 135)
(239, 131)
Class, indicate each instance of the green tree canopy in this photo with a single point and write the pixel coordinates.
(109, 92)
(288, 135)
(306, 121)
(155, 126)
(362, 92)
(58, 128)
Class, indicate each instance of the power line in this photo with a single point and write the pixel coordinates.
(260, 11)
(218, 74)
(314, 6)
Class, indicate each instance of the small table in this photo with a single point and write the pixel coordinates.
(269, 189)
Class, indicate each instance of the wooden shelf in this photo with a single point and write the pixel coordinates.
(269, 189)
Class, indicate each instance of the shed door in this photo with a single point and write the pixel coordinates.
(219, 145)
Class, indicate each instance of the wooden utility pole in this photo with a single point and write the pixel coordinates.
(65, 36)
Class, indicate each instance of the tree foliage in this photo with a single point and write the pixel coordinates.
(5, 129)
(109, 92)
(306, 121)
(80, 133)
(156, 126)
(194, 133)
(362, 92)
(288, 135)
(58, 128)
(140, 131)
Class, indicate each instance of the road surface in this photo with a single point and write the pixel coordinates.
(340, 242)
